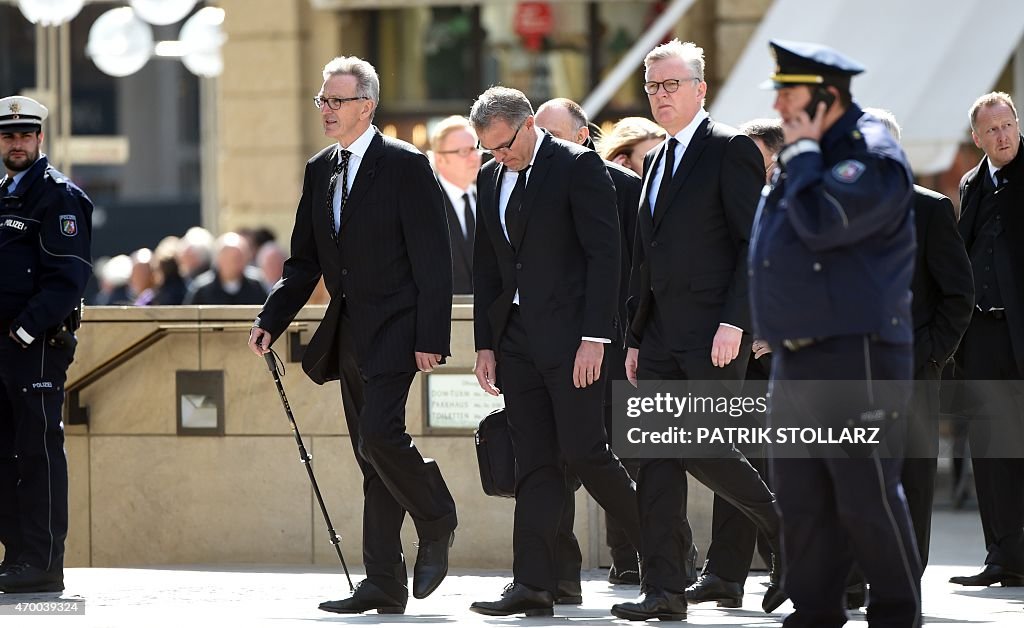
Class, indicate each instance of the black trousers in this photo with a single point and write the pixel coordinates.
(624, 555)
(662, 485)
(837, 511)
(396, 478)
(996, 422)
(555, 427)
(920, 464)
(33, 466)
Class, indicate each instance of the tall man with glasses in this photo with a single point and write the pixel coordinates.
(689, 314)
(371, 220)
(545, 273)
(456, 160)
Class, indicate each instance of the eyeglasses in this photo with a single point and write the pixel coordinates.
(465, 151)
(504, 147)
(335, 103)
(670, 85)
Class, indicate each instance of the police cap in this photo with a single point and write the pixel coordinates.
(804, 63)
(21, 114)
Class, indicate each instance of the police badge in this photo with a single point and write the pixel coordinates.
(69, 225)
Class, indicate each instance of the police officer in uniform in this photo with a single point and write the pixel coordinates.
(45, 228)
(831, 260)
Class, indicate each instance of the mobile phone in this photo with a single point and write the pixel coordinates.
(819, 94)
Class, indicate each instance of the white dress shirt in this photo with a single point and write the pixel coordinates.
(358, 150)
(684, 138)
(455, 193)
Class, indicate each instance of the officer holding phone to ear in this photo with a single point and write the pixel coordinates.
(831, 261)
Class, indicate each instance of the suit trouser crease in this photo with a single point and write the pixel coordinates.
(396, 478)
(554, 427)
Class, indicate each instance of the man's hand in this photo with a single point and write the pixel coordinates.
(587, 368)
(760, 347)
(726, 345)
(259, 341)
(632, 359)
(427, 362)
(800, 126)
(485, 370)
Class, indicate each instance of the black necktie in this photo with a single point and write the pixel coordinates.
(666, 174)
(6, 185)
(340, 170)
(515, 204)
(1000, 180)
(467, 214)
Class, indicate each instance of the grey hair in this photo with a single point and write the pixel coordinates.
(768, 130)
(500, 103)
(367, 82)
(689, 52)
(988, 100)
(887, 119)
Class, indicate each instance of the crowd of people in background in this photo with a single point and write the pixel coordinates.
(236, 268)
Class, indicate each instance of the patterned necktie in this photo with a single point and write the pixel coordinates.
(340, 170)
(667, 173)
(6, 185)
(515, 204)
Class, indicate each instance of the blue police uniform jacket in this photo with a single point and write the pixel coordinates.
(45, 234)
(832, 251)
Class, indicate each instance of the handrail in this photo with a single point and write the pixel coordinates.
(79, 415)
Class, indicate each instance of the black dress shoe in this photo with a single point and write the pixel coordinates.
(711, 588)
(655, 603)
(569, 592)
(990, 575)
(367, 597)
(25, 578)
(626, 575)
(774, 596)
(431, 566)
(518, 599)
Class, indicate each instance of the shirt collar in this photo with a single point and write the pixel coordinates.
(358, 148)
(453, 191)
(685, 136)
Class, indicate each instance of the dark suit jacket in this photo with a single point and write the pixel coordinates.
(1009, 254)
(627, 196)
(943, 284)
(390, 274)
(565, 263)
(690, 257)
(462, 252)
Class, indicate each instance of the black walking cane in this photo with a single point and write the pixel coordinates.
(272, 362)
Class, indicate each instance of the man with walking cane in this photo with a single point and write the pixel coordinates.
(371, 220)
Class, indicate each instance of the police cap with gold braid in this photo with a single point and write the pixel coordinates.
(805, 63)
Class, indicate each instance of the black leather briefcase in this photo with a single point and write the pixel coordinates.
(495, 457)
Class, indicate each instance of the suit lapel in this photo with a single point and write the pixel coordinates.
(534, 182)
(686, 164)
(364, 178)
(495, 209)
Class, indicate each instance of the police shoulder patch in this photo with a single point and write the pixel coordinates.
(848, 171)
(69, 225)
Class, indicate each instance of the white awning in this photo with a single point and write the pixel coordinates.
(926, 60)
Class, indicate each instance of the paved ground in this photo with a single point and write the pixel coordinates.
(197, 596)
